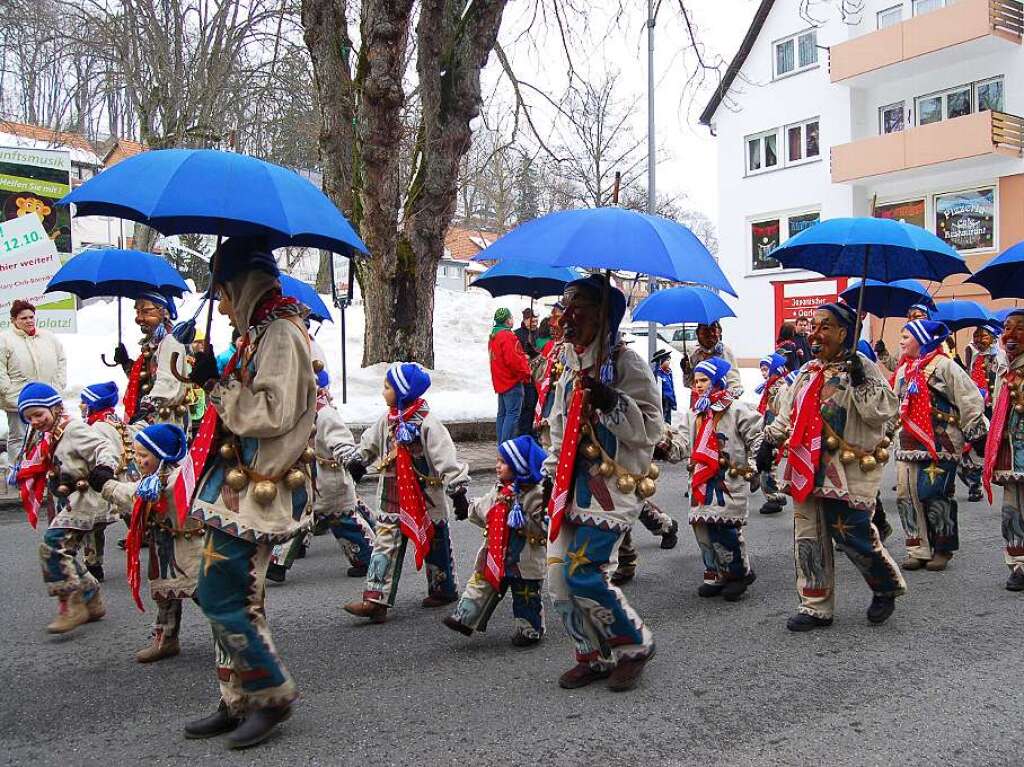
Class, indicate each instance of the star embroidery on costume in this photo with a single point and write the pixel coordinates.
(578, 558)
(841, 528)
(933, 471)
(210, 555)
(525, 593)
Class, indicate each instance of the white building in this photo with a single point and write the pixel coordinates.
(908, 109)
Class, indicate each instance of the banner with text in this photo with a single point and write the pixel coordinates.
(28, 261)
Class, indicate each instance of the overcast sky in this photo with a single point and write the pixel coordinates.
(606, 43)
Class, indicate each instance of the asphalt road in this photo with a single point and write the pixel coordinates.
(939, 683)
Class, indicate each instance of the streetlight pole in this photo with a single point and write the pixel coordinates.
(652, 283)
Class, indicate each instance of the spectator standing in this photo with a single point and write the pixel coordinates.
(803, 347)
(527, 335)
(786, 345)
(510, 371)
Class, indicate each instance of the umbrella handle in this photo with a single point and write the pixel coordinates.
(175, 371)
(103, 357)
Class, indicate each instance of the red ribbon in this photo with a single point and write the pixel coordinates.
(1000, 414)
(916, 408)
(99, 415)
(133, 543)
(805, 443)
(32, 478)
(705, 456)
(762, 406)
(979, 375)
(497, 537)
(131, 394)
(413, 519)
(566, 460)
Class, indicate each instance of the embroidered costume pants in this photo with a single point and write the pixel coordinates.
(1013, 525)
(927, 509)
(386, 564)
(355, 536)
(654, 519)
(603, 626)
(63, 572)
(231, 591)
(168, 618)
(969, 469)
(479, 600)
(817, 523)
(95, 543)
(723, 550)
(770, 487)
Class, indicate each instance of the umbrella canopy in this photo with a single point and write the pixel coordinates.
(686, 303)
(514, 276)
(961, 314)
(114, 272)
(205, 191)
(1003, 276)
(611, 238)
(888, 299)
(307, 295)
(1002, 314)
(873, 248)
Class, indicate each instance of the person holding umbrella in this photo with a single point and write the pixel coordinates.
(709, 344)
(985, 362)
(833, 419)
(605, 421)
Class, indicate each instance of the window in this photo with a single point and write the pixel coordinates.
(927, 6)
(890, 17)
(966, 220)
(803, 221)
(796, 53)
(890, 118)
(802, 142)
(768, 233)
(909, 212)
(961, 100)
(989, 94)
(762, 151)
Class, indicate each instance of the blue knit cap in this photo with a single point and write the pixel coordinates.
(37, 394)
(928, 333)
(715, 368)
(322, 379)
(865, 348)
(243, 254)
(525, 456)
(776, 363)
(100, 396)
(155, 297)
(409, 380)
(164, 440)
(921, 308)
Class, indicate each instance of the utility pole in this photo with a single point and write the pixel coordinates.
(652, 282)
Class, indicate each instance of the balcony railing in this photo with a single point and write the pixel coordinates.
(1008, 132)
(1007, 15)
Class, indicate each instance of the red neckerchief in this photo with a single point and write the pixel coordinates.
(413, 519)
(805, 443)
(1000, 416)
(762, 406)
(916, 408)
(131, 394)
(271, 302)
(566, 460)
(497, 536)
(133, 542)
(979, 374)
(32, 477)
(705, 457)
(100, 415)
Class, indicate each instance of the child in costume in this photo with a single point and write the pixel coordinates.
(416, 461)
(661, 364)
(774, 369)
(720, 437)
(513, 555)
(175, 541)
(66, 463)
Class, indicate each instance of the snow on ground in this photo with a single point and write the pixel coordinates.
(461, 387)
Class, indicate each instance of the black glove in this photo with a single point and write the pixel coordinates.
(121, 358)
(547, 487)
(602, 397)
(661, 451)
(204, 368)
(979, 445)
(356, 470)
(857, 375)
(100, 476)
(684, 365)
(880, 347)
(460, 503)
(765, 456)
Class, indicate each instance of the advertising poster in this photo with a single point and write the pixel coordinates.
(28, 260)
(910, 212)
(764, 237)
(966, 220)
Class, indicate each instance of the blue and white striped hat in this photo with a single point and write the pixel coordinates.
(928, 333)
(155, 297)
(37, 394)
(525, 456)
(409, 380)
(715, 368)
(164, 440)
(100, 396)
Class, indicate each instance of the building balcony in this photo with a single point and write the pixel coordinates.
(982, 138)
(967, 28)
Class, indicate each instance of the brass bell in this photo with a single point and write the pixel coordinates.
(885, 442)
(82, 485)
(294, 479)
(308, 455)
(63, 490)
(606, 469)
(227, 451)
(653, 471)
(181, 410)
(882, 455)
(847, 456)
(626, 483)
(734, 472)
(832, 443)
(591, 451)
(146, 387)
(646, 487)
(264, 491)
(318, 365)
(51, 474)
(868, 463)
(164, 412)
(1019, 407)
(236, 479)
(723, 461)
(143, 375)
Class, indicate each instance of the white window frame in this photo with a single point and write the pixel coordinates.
(760, 137)
(795, 39)
(885, 11)
(802, 125)
(942, 4)
(902, 105)
(783, 217)
(978, 83)
(971, 87)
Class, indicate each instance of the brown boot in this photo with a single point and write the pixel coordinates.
(912, 563)
(162, 647)
(377, 613)
(626, 674)
(71, 614)
(581, 675)
(938, 561)
(95, 607)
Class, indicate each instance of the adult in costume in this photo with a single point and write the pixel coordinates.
(833, 419)
(985, 362)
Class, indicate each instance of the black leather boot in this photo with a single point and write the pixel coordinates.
(217, 723)
(258, 725)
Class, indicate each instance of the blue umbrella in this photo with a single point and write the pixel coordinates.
(114, 272)
(307, 295)
(961, 314)
(611, 238)
(525, 278)
(1002, 314)
(1003, 276)
(888, 299)
(685, 303)
(205, 191)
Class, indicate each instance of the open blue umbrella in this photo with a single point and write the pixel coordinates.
(205, 191)
(1002, 314)
(1003, 276)
(307, 295)
(115, 272)
(612, 238)
(520, 277)
(961, 314)
(686, 303)
(888, 299)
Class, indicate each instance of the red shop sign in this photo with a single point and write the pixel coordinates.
(799, 298)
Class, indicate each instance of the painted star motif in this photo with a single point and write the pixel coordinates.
(841, 528)
(933, 471)
(525, 593)
(578, 558)
(210, 555)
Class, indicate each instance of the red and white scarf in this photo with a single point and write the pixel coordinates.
(133, 542)
(497, 537)
(916, 408)
(704, 457)
(545, 383)
(766, 393)
(994, 440)
(979, 374)
(566, 460)
(106, 413)
(32, 476)
(413, 519)
(131, 394)
(805, 442)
